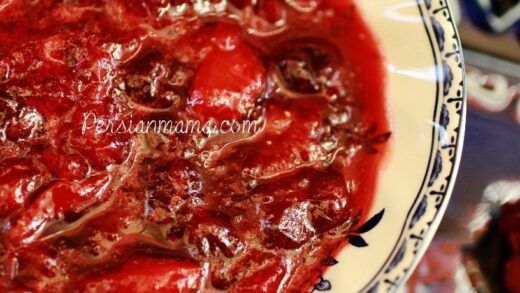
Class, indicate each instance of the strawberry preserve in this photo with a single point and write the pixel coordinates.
(89, 208)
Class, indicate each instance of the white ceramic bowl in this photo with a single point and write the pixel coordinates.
(426, 100)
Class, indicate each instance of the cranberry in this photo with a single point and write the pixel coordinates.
(65, 166)
(57, 199)
(168, 185)
(19, 181)
(28, 124)
(147, 274)
(271, 10)
(266, 280)
(305, 5)
(74, 197)
(212, 232)
(166, 179)
(302, 206)
(102, 145)
(308, 65)
(225, 276)
(227, 83)
(329, 202)
(37, 268)
(290, 140)
(154, 83)
(241, 3)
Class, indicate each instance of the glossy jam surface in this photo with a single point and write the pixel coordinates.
(119, 211)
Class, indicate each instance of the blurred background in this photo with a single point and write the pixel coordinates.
(477, 247)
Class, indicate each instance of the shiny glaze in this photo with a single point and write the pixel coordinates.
(183, 212)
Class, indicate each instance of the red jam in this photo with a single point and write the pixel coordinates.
(125, 211)
(509, 227)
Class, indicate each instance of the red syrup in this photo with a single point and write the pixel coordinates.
(124, 211)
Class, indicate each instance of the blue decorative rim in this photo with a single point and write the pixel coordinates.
(447, 138)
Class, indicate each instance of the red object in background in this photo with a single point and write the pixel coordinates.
(510, 227)
(113, 211)
(438, 268)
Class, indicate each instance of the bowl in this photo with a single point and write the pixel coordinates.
(427, 105)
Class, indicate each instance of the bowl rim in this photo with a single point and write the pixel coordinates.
(448, 127)
(436, 14)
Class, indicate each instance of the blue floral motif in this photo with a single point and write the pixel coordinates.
(374, 288)
(397, 258)
(329, 261)
(445, 117)
(438, 30)
(356, 240)
(419, 212)
(323, 285)
(447, 77)
(371, 223)
(437, 168)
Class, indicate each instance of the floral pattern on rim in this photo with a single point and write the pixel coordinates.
(355, 239)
